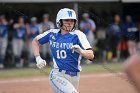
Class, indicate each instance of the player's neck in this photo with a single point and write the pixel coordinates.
(63, 32)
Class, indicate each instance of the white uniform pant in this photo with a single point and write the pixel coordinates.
(63, 83)
(17, 47)
(31, 55)
(3, 46)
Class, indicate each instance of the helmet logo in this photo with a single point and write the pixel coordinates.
(70, 13)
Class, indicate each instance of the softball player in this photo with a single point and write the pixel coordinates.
(67, 46)
(130, 32)
(3, 39)
(18, 40)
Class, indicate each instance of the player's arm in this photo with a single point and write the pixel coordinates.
(16, 25)
(28, 29)
(88, 53)
(36, 47)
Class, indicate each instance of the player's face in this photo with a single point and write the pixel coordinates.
(117, 18)
(21, 20)
(128, 19)
(46, 19)
(33, 22)
(85, 17)
(68, 24)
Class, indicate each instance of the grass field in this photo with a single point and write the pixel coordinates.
(86, 69)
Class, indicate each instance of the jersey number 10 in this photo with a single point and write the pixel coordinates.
(61, 54)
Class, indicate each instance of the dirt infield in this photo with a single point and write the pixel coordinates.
(95, 83)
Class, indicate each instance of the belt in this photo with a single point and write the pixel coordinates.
(72, 74)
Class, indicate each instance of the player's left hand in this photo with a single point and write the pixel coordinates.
(77, 49)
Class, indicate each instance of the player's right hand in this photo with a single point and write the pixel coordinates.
(77, 48)
(40, 62)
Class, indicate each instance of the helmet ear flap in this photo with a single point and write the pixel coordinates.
(74, 25)
(60, 24)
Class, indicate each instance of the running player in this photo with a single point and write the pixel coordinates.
(67, 46)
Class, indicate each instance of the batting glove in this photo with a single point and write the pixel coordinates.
(40, 62)
(77, 49)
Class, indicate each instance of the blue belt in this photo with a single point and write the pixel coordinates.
(72, 74)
